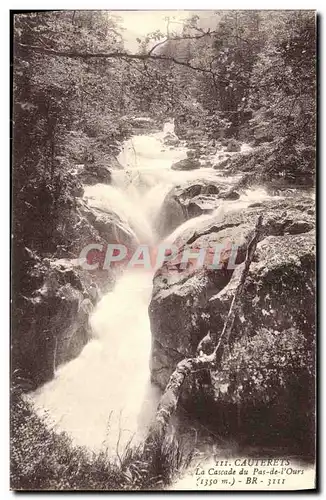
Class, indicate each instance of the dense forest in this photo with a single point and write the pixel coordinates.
(238, 76)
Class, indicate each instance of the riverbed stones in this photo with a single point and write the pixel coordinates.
(95, 174)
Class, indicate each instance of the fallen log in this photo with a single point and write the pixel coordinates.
(169, 400)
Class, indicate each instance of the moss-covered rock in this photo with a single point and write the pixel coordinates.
(279, 298)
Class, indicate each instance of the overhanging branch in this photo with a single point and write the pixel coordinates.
(110, 55)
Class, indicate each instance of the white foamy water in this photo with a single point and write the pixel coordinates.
(105, 394)
(248, 197)
(106, 390)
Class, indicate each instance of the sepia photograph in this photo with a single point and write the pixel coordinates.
(163, 251)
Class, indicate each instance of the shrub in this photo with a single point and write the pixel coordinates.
(42, 459)
(278, 160)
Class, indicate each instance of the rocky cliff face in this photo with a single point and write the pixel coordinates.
(53, 321)
(278, 297)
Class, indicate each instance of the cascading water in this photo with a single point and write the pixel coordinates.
(105, 393)
(106, 390)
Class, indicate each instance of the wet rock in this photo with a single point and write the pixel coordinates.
(96, 174)
(256, 205)
(53, 320)
(193, 153)
(172, 215)
(173, 335)
(187, 164)
(186, 302)
(279, 290)
(171, 139)
(51, 317)
(108, 225)
(278, 217)
(184, 202)
(270, 357)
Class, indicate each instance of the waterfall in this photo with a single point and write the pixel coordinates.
(106, 392)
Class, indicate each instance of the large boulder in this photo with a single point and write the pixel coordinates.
(233, 146)
(179, 305)
(265, 371)
(267, 366)
(187, 301)
(51, 315)
(109, 225)
(279, 290)
(171, 139)
(95, 174)
(264, 388)
(139, 124)
(186, 164)
(190, 200)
